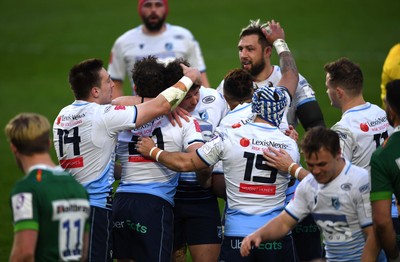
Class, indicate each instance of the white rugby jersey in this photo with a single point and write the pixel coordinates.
(304, 93)
(134, 45)
(361, 130)
(144, 175)
(255, 191)
(340, 208)
(85, 136)
(208, 112)
(240, 115)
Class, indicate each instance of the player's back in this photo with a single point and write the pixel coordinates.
(143, 175)
(51, 201)
(361, 130)
(255, 191)
(85, 136)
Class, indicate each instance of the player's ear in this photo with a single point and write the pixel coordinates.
(13, 148)
(95, 91)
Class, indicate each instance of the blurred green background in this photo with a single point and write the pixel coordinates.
(40, 41)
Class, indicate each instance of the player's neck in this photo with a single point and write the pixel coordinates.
(36, 159)
(146, 31)
(264, 74)
(352, 102)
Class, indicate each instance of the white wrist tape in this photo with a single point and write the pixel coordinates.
(187, 82)
(158, 154)
(280, 46)
(174, 96)
(296, 173)
(151, 150)
(290, 167)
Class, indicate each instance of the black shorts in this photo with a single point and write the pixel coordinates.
(142, 227)
(100, 237)
(197, 222)
(272, 251)
(307, 239)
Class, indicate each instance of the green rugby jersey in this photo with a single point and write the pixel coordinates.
(385, 169)
(50, 201)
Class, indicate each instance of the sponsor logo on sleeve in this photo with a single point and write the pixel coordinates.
(118, 107)
(22, 206)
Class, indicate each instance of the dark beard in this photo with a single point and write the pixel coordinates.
(256, 69)
(153, 27)
(389, 118)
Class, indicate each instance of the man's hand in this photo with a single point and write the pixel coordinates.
(192, 73)
(249, 242)
(175, 116)
(144, 145)
(292, 133)
(279, 159)
(273, 31)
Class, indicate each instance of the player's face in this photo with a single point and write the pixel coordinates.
(153, 15)
(323, 165)
(191, 99)
(251, 54)
(332, 92)
(106, 88)
(389, 113)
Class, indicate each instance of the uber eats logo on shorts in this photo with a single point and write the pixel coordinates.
(275, 245)
(127, 224)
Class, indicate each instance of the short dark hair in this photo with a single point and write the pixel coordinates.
(320, 137)
(346, 74)
(148, 76)
(255, 28)
(84, 76)
(393, 95)
(238, 85)
(174, 71)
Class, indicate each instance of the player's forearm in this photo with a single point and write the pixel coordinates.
(371, 249)
(290, 75)
(387, 239)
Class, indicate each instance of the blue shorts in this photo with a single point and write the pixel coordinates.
(307, 239)
(100, 239)
(142, 227)
(197, 222)
(271, 251)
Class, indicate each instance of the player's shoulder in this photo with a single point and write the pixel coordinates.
(356, 174)
(132, 35)
(179, 31)
(210, 95)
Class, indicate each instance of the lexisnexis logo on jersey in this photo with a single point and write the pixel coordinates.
(68, 118)
(376, 125)
(245, 142)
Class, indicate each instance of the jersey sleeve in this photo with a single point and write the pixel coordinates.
(191, 133)
(194, 56)
(347, 142)
(118, 118)
(298, 207)
(116, 65)
(211, 152)
(24, 208)
(362, 201)
(304, 93)
(381, 186)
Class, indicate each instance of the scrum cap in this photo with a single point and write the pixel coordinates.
(269, 103)
(141, 2)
